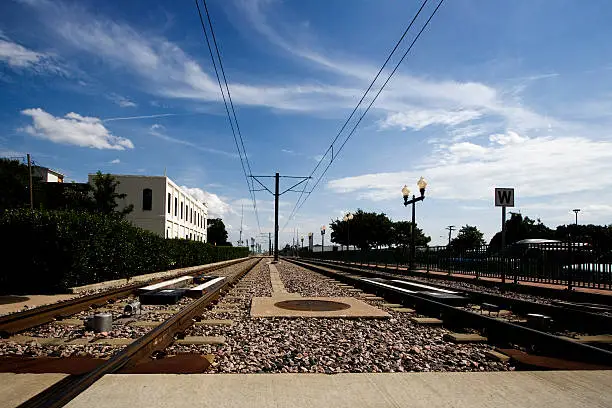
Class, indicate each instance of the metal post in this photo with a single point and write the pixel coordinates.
(322, 242)
(503, 244)
(570, 271)
(412, 235)
(276, 195)
(31, 191)
(269, 243)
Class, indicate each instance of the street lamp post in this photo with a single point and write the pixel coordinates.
(347, 218)
(310, 243)
(322, 239)
(421, 184)
(576, 211)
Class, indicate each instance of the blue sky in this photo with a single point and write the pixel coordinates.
(509, 94)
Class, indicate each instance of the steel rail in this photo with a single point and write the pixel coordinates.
(17, 322)
(572, 318)
(159, 338)
(497, 331)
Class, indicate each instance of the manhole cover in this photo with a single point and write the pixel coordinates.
(312, 305)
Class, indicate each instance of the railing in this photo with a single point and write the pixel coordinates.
(557, 263)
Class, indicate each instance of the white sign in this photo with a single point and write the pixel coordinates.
(504, 197)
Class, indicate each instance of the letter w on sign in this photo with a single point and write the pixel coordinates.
(504, 197)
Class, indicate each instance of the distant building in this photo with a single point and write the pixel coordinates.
(162, 207)
(47, 175)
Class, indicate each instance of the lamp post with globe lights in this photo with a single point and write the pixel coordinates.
(347, 218)
(421, 184)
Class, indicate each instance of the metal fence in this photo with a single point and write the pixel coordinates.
(563, 263)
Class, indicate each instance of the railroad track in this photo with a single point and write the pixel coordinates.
(140, 350)
(570, 315)
(497, 331)
(17, 322)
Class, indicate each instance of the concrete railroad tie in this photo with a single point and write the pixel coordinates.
(430, 321)
(201, 340)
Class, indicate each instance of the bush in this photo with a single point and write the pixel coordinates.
(50, 251)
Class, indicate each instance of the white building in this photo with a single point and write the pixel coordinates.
(162, 207)
(47, 175)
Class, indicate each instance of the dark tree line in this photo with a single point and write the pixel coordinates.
(369, 230)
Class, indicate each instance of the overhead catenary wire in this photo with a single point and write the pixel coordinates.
(331, 146)
(299, 205)
(232, 119)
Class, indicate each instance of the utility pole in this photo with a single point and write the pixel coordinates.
(276, 195)
(241, 217)
(450, 229)
(31, 191)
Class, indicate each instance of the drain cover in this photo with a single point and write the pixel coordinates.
(312, 305)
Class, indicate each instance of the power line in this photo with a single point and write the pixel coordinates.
(225, 102)
(299, 205)
(330, 148)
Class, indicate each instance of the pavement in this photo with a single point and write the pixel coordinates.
(18, 388)
(558, 389)
(12, 304)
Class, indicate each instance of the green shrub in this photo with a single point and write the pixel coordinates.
(49, 251)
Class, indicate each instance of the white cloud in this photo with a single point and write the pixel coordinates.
(418, 119)
(537, 167)
(217, 207)
(115, 161)
(73, 129)
(122, 101)
(20, 57)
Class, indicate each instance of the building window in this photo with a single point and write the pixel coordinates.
(175, 207)
(147, 199)
(191, 216)
(186, 213)
(169, 202)
(181, 211)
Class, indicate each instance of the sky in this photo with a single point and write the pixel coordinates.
(493, 94)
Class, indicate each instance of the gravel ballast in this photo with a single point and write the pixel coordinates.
(329, 345)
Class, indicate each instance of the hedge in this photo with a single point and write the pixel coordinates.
(50, 251)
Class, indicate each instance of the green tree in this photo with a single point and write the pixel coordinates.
(14, 181)
(518, 228)
(402, 235)
(469, 237)
(105, 195)
(366, 230)
(216, 233)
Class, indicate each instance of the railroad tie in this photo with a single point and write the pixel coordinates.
(201, 340)
(429, 321)
(464, 338)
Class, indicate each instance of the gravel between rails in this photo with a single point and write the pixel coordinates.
(320, 345)
(121, 328)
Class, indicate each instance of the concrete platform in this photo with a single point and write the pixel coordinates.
(12, 304)
(18, 388)
(559, 389)
(266, 307)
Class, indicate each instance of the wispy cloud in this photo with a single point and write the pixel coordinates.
(115, 161)
(73, 129)
(19, 57)
(122, 101)
(160, 115)
(159, 131)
